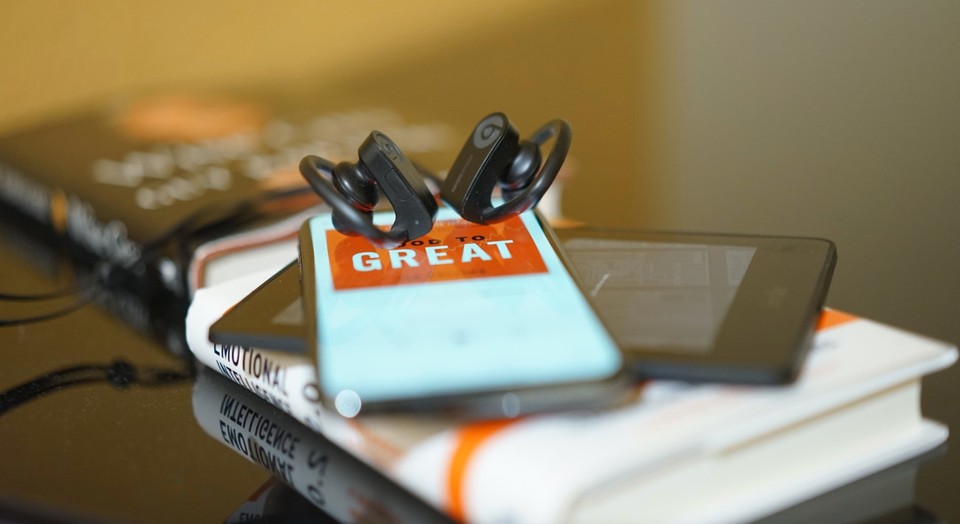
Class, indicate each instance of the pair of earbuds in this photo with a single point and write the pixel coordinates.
(494, 155)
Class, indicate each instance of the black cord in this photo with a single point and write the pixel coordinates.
(198, 223)
(75, 305)
(59, 293)
(119, 373)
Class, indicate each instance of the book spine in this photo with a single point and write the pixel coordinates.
(68, 216)
(325, 475)
(24, 194)
(287, 381)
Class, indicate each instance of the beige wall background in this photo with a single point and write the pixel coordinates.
(57, 54)
(835, 119)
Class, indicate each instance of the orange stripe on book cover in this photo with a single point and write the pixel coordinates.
(830, 318)
(471, 437)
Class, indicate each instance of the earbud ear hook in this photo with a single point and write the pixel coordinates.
(352, 191)
(319, 173)
(518, 200)
(495, 156)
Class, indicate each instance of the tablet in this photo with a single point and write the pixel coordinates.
(704, 307)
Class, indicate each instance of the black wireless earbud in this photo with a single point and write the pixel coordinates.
(495, 155)
(352, 191)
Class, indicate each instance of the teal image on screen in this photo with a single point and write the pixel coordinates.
(438, 338)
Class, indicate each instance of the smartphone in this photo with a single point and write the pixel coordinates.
(704, 307)
(480, 319)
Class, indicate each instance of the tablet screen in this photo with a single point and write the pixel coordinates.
(661, 294)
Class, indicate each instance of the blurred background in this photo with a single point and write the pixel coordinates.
(820, 118)
(839, 120)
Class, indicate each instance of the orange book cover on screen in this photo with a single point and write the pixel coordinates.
(454, 250)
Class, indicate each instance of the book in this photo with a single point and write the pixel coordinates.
(330, 478)
(313, 479)
(887, 496)
(165, 184)
(675, 452)
(140, 305)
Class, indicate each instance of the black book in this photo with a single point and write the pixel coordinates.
(142, 185)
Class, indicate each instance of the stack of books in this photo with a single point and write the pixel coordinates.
(674, 452)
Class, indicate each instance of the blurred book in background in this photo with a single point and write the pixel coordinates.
(164, 185)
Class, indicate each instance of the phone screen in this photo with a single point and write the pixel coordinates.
(466, 309)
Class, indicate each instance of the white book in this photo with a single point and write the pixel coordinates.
(326, 477)
(330, 478)
(675, 453)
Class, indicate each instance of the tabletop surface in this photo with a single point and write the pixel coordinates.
(702, 123)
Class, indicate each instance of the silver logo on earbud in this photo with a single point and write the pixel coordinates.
(487, 131)
(388, 147)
